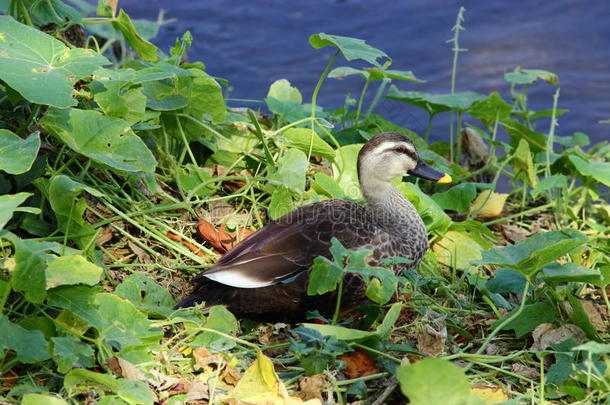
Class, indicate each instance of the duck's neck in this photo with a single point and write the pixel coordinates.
(389, 207)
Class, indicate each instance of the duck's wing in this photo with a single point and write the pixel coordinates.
(288, 245)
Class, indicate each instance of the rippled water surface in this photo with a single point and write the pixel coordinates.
(253, 43)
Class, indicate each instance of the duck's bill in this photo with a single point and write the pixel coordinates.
(426, 172)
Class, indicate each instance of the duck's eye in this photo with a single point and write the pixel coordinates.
(400, 149)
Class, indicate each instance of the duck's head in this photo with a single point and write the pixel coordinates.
(389, 155)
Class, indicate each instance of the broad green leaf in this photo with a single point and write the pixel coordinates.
(288, 111)
(436, 103)
(54, 12)
(282, 90)
(290, 171)
(373, 74)
(529, 76)
(80, 380)
(434, 381)
(340, 332)
(281, 203)
(381, 283)
(553, 181)
(523, 161)
(31, 60)
(135, 392)
(517, 130)
(220, 319)
(433, 216)
(30, 262)
(67, 351)
(531, 254)
(600, 171)
(307, 140)
(122, 325)
(78, 300)
(491, 109)
(457, 248)
(145, 49)
(324, 277)
(594, 347)
(168, 94)
(29, 345)
(72, 269)
(580, 318)
(567, 272)
(118, 100)
(345, 171)
(69, 209)
(532, 316)
(576, 139)
(146, 294)
(351, 48)
(42, 399)
(324, 184)
(457, 198)
(604, 279)
(191, 177)
(17, 154)
(9, 204)
(506, 280)
(104, 139)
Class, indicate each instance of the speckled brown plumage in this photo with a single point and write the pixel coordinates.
(282, 252)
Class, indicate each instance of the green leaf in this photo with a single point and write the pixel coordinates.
(529, 76)
(345, 171)
(54, 12)
(459, 246)
(434, 381)
(79, 379)
(532, 316)
(324, 184)
(145, 49)
(600, 171)
(506, 280)
(351, 48)
(16, 154)
(281, 203)
(79, 302)
(69, 209)
(290, 171)
(373, 74)
(340, 332)
(282, 90)
(72, 269)
(134, 392)
(324, 277)
(106, 8)
(580, 318)
(190, 177)
(107, 140)
(67, 351)
(31, 60)
(42, 399)
(220, 319)
(385, 329)
(122, 325)
(457, 198)
(531, 254)
(118, 100)
(567, 272)
(305, 140)
(436, 103)
(146, 294)
(576, 139)
(594, 347)
(517, 131)
(431, 213)
(556, 180)
(522, 161)
(29, 345)
(9, 204)
(30, 263)
(491, 109)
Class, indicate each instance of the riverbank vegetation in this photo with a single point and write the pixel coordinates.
(126, 169)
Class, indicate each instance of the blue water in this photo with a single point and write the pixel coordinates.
(253, 43)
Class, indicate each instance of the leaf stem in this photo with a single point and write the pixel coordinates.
(338, 303)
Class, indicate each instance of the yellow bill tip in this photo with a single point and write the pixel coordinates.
(445, 179)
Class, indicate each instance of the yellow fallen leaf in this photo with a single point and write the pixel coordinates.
(490, 395)
(261, 385)
(488, 204)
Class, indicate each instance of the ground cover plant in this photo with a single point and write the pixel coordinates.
(125, 170)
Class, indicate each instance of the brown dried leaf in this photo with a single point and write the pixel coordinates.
(105, 235)
(432, 334)
(143, 256)
(124, 368)
(358, 364)
(514, 233)
(594, 312)
(204, 358)
(231, 375)
(222, 240)
(525, 371)
(311, 387)
(545, 335)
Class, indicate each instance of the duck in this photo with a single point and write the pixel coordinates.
(265, 276)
